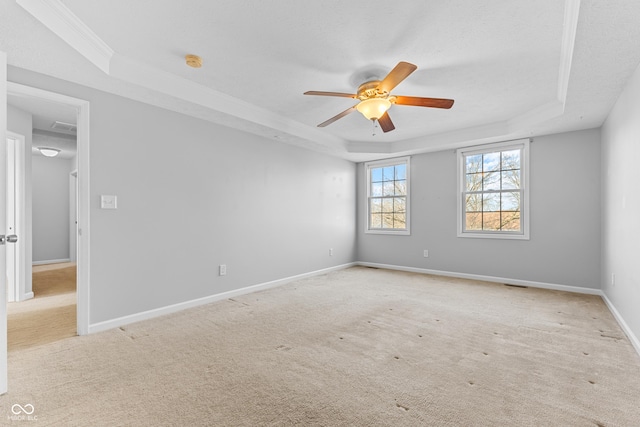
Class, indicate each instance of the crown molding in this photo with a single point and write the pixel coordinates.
(553, 108)
(54, 15)
(569, 29)
(141, 74)
(64, 23)
(57, 17)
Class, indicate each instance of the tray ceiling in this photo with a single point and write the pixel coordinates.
(514, 68)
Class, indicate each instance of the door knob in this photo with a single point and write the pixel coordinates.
(11, 238)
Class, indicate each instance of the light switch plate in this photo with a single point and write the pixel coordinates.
(108, 202)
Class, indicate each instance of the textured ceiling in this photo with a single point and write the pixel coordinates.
(515, 68)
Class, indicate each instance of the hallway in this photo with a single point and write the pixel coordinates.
(51, 314)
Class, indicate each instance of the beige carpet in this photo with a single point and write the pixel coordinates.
(49, 316)
(357, 347)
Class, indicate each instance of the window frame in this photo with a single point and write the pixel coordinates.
(368, 166)
(461, 154)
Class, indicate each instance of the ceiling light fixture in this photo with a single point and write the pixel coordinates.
(373, 108)
(375, 98)
(193, 61)
(48, 151)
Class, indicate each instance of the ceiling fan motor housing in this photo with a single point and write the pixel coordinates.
(370, 90)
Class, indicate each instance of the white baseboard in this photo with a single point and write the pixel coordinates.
(577, 289)
(581, 290)
(51, 261)
(632, 337)
(24, 297)
(150, 314)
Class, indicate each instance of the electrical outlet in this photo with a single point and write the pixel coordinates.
(331, 252)
(426, 253)
(613, 279)
(222, 270)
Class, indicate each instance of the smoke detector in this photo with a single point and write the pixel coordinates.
(193, 61)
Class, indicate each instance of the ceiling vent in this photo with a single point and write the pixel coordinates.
(67, 127)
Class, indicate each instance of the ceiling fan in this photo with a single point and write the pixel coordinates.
(375, 98)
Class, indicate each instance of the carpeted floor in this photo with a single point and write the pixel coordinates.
(49, 316)
(356, 347)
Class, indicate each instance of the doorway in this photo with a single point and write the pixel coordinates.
(43, 309)
(28, 95)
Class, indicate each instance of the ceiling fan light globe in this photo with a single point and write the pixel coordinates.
(373, 108)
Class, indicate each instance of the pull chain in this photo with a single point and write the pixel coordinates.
(375, 126)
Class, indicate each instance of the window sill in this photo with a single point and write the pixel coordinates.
(468, 235)
(389, 232)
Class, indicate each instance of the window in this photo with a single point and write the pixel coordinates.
(388, 196)
(493, 198)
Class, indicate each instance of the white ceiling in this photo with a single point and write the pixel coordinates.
(514, 67)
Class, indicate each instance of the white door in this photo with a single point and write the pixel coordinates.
(15, 206)
(3, 222)
(10, 204)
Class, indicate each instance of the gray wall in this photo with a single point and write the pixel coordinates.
(193, 195)
(564, 248)
(621, 204)
(50, 184)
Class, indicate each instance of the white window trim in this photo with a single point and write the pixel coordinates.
(524, 208)
(367, 179)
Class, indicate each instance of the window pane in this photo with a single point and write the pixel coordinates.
(400, 188)
(388, 188)
(473, 221)
(473, 164)
(491, 181)
(387, 220)
(511, 159)
(511, 179)
(511, 201)
(400, 220)
(491, 221)
(387, 173)
(511, 221)
(473, 203)
(491, 202)
(473, 182)
(376, 221)
(388, 195)
(492, 191)
(376, 189)
(376, 205)
(376, 175)
(491, 162)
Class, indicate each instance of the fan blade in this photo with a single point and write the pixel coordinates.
(336, 117)
(395, 76)
(385, 123)
(424, 102)
(341, 94)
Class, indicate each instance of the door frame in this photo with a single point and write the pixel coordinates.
(83, 235)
